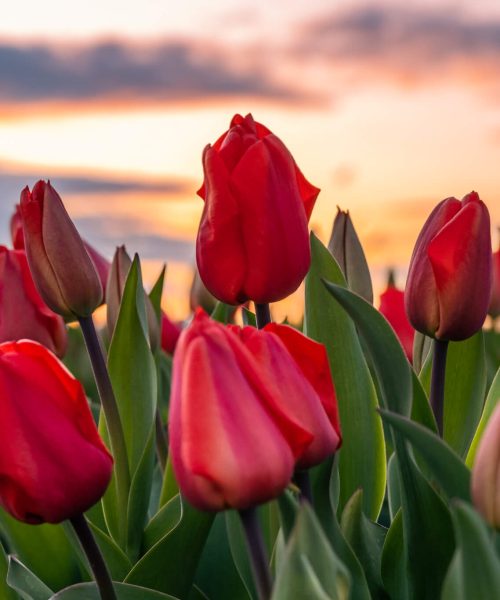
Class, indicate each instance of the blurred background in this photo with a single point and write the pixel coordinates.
(388, 107)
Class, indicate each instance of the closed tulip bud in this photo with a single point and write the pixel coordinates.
(23, 313)
(450, 276)
(485, 481)
(494, 308)
(170, 333)
(253, 239)
(114, 292)
(346, 248)
(226, 449)
(392, 306)
(16, 229)
(61, 266)
(53, 464)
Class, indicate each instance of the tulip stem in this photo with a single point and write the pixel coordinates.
(95, 558)
(257, 551)
(303, 482)
(262, 314)
(437, 382)
(110, 409)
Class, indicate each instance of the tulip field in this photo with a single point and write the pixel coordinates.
(354, 455)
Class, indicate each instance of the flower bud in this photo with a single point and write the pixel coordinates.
(23, 313)
(450, 276)
(253, 239)
(346, 248)
(61, 266)
(485, 480)
(114, 293)
(53, 464)
(226, 449)
(170, 333)
(392, 306)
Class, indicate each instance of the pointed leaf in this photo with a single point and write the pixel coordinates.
(394, 558)
(89, 591)
(327, 322)
(6, 592)
(26, 583)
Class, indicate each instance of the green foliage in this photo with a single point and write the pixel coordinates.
(362, 457)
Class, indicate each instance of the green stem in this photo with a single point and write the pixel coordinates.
(257, 551)
(95, 558)
(110, 410)
(437, 382)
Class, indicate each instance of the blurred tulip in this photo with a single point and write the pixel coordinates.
(53, 464)
(199, 296)
(114, 292)
(392, 306)
(494, 308)
(23, 313)
(450, 277)
(485, 481)
(16, 229)
(61, 267)
(346, 248)
(226, 449)
(253, 238)
(170, 333)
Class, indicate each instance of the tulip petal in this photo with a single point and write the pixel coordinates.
(460, 256)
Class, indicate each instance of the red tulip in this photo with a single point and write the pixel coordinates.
(253, 238)
(450, 277)
(226, 449)
(170, 333)
(23, 313)
(297, 386)
(494, 308)
(392, 306)
(53, 464)
(102, 265)
(62, 269)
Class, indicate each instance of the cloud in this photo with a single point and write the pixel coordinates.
(143, 72)
(403, 45)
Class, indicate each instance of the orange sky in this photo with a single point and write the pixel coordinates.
(388, 107)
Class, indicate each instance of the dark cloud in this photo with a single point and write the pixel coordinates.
(404, 43)
(165, 71)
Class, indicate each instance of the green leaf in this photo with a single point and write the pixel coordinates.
(166, 519)
(89, 591)
(475, 570)
(6, 592)
(116, 560)
(217, 575)
(421, 411)
(26, 583)
(393, 487)
(446, 466)
(169, 566)
(422, 345)
(465, 388)
(133, 375)
(239, 550)
(45, 548)
(223, 312)
(310, 569)
(390, 363)
(156, 293)
(394, 558)
(489, 406)
(327, 322)
(367, 540)
(249, 317)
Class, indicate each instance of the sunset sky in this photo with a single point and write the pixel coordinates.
(389, 107)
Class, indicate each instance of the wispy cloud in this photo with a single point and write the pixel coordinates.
(148, 72)
(403, 45)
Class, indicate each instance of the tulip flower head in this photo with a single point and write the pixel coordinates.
(450, 276)
(23, 313)
(53, 464)
(392, 306)
(485, 480)
(245, 411)
(62, 269)
(253, 237)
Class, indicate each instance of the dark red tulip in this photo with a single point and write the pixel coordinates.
(392, 306)
(253, 237)
(170, 333)
(53, 464)
(450, 277)
(62, 269)
(23, 313)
